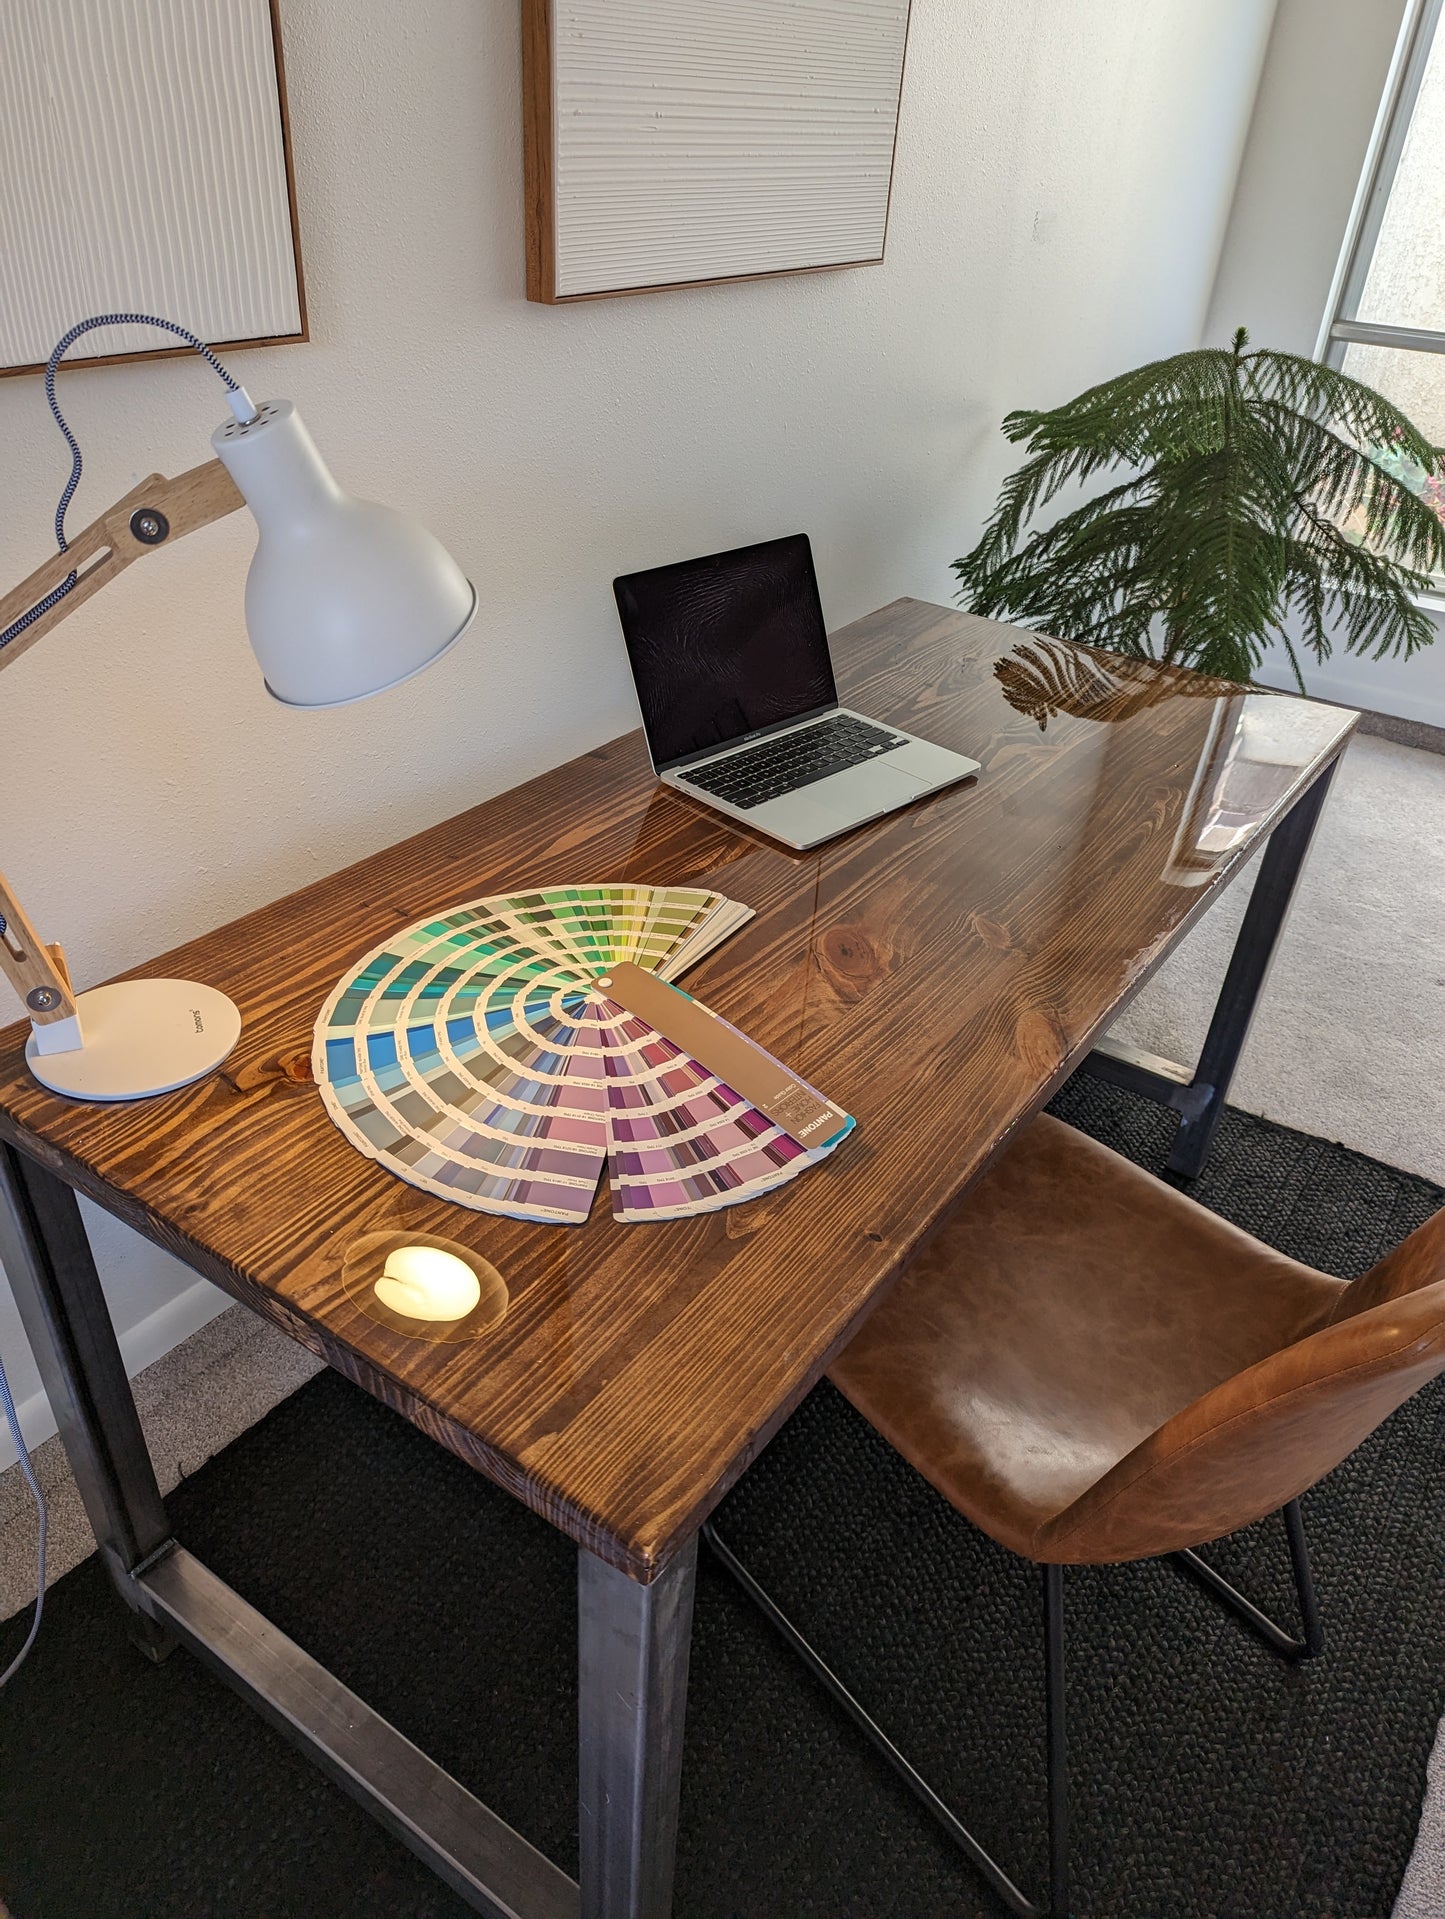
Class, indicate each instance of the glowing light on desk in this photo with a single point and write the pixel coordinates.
(423, 1282)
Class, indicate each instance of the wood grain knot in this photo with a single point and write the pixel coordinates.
(1039, 1041)
(851, 961)
(992, 932)
(291, 1068)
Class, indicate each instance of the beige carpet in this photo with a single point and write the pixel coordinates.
(193, 1402)
(1422, 1896)
(1349, 1039)
(1349, 1042)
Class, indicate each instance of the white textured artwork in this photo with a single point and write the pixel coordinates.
(142, 169)
(692, 140)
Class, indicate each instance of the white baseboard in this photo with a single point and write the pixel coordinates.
(1358, 683)
(141, 1345)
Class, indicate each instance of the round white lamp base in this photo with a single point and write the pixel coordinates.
(141, 1036)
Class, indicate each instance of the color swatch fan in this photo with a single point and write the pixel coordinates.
(477, 1055)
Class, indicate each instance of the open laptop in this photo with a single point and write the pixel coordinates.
(739, 705)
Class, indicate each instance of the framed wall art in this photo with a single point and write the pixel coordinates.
(145, 166)
(672, 143)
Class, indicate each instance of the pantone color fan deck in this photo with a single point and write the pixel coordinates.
(477, 1055)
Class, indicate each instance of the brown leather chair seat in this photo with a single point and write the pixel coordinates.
(1092, 1367)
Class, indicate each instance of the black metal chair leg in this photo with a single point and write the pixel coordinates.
(1058, 1787)
(1304, 1582)
(1311, 1643)
(1308, 1646)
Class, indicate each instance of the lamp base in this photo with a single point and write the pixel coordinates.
(141, 1037)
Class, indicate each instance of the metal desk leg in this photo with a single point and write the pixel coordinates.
(632, 1648)
(47, 1258)
(1199, 1097)
(633, 1640)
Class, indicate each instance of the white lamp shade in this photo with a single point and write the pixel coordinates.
(344, 597)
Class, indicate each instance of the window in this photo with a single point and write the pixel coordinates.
(1386, 320)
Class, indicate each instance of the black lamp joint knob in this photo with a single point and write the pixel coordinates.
(149, 525)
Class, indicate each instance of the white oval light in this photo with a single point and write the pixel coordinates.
(423, 1282)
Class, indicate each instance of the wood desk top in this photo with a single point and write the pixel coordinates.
(937, 974)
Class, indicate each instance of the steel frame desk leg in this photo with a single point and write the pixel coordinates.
(52, 1274)
(633, 1643)
(1199, 1097)
(633, 1640)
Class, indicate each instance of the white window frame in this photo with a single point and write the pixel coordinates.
(1340, 327)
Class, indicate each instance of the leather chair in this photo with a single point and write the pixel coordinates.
(1093, 1368)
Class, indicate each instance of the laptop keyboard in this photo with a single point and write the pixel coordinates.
(791, 760)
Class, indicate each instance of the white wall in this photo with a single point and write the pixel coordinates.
(1324, 74)
(1412, 689)
(1064, 169)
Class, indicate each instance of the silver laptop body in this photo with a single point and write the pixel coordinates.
(730, 659)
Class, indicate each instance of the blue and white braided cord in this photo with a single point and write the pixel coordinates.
(12, 1420)
(62, 347)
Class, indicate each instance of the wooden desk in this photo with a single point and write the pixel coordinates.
(938, 973)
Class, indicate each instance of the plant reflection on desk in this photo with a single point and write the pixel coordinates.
(1043, 678)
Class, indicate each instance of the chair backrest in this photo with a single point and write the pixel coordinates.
(1261, 1438)
(1416, 1263)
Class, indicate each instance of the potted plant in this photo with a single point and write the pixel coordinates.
(1258, 488)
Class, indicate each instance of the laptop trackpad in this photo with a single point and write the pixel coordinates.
(864, 790)
(935, 765)
(823, 808)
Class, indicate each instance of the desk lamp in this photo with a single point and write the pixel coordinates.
(344, 598)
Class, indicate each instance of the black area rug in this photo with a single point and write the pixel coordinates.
(1211, 1782)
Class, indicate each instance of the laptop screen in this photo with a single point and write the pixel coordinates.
(726, 646)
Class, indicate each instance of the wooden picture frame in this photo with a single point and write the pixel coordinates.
(607, 141)
(161, 350)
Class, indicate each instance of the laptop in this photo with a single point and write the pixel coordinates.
(739, 705)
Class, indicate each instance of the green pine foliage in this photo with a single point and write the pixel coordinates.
(1242, 467)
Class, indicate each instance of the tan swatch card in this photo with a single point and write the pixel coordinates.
(752, 1074)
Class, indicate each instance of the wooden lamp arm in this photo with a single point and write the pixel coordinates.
(37, 972)
(155, 513)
